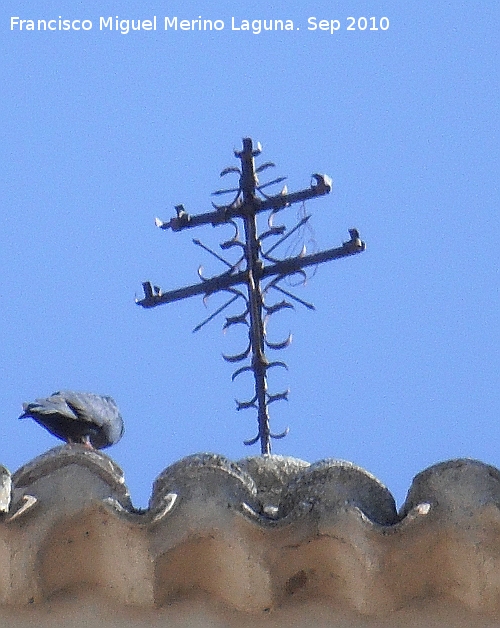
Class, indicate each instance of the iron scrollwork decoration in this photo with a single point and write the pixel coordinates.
(261, 273)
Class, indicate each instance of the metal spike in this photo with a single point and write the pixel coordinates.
(270, 219)
(234, 203)
(245, 405)
(302, 273)
(230, 243)
(251, 441)
(230, 169)
(279, 345)
(219, 192)
(282, 396)
(236, 320)
(241, 370)
(309, 306)
(278, 363)
(206, 248)
(216, 313)
(200, 275)
(274, 231)
(287, 235)
(273, 182)
(234, 241)
(238, 357)
(268, 164)
(220, 208)
(282, 435)
(272, 309)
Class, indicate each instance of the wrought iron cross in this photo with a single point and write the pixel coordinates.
(258, 266)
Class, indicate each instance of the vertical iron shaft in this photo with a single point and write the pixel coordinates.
(254, 270)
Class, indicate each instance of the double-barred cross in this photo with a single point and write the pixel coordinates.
(258, 266)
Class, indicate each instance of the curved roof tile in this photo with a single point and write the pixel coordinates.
(253, 534)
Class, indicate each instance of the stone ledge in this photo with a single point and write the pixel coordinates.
(264, 532)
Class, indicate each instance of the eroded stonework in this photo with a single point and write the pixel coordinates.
(256, 536)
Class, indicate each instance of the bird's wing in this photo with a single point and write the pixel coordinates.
(90, 407)
(55, 404)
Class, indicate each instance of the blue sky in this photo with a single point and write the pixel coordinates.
(102, 131)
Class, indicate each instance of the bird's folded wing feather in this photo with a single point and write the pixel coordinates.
(52, 405)
(89, 407)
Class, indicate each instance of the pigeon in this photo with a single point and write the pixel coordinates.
(76, 417)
